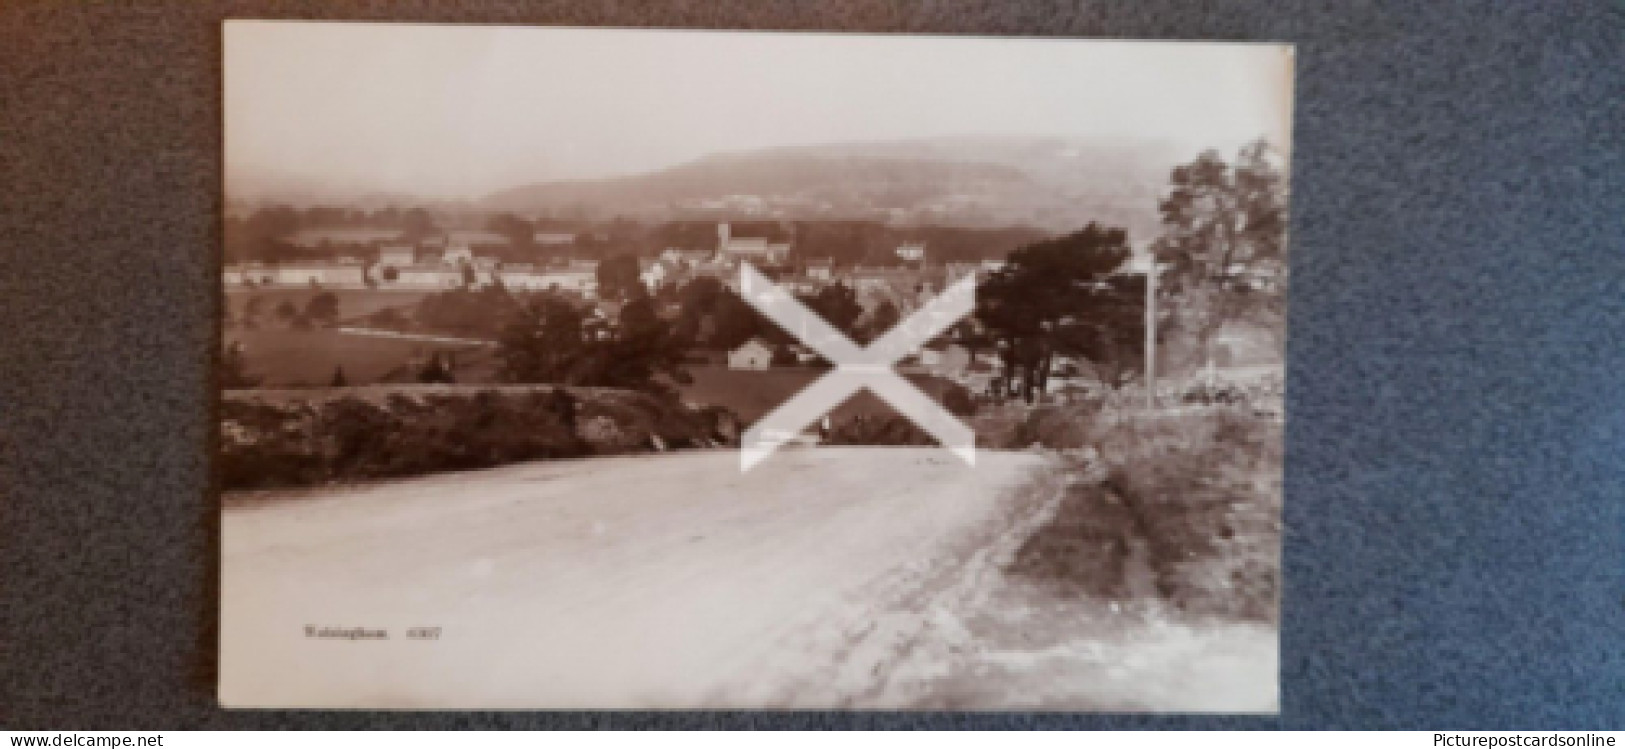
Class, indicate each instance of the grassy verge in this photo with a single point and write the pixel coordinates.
(1189, 497)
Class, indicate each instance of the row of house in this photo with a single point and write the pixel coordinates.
(340, 273)
(312, 238)
(460, 258)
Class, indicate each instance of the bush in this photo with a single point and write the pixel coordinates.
(318, 438)
(1057, 428)
(864, 429)
(958, 400)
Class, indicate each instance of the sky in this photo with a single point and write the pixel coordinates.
(462, 111)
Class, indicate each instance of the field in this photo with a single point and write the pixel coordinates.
(750, 394)
(353, 303)
(308, 357)
(293, 358)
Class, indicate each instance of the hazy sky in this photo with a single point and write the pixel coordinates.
(460, 111)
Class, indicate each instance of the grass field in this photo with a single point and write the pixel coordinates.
(750, 394)
(308, 357)
(353, 303)
(293, 358)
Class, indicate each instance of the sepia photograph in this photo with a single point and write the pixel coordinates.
(574, 368)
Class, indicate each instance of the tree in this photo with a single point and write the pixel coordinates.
(883, 318)
(437, 371)
(417, 223)
(619, 278)
(252, 306)
(543, 342)
(838, 305)
(642, 350)
(338, 378)
(234, 368)
(733, 322)
(1047, 293)
(1112, 335)
(697, 303)
(323, 309)
(958, 400)
(518, 231)
(638, 316)
(286, 312)
(552, 341)
(260, 236)
(1224, 244)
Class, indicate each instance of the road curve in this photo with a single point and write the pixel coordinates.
(669, 581)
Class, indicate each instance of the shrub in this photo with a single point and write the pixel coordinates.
(1057, 428)
(321, 438)
(865, 429)
(958, 400)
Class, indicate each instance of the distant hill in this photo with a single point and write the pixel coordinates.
(247, 189)
(1051, 183)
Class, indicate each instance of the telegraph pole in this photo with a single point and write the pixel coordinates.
(1151, 333)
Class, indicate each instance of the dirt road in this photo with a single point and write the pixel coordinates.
(830, 577)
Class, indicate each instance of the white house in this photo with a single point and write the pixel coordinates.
(457, 254)
(257, 274)
(821, 269)
(396, 256)
(521, 277)
(754, 249)
(583, 282)
(320, 274)
(911, 251)
(876, 278)
(681, 257)
(553, 238)
(950, 361)
(429, 276)
(954, 271)
(754, 354)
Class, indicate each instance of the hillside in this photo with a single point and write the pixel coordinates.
(1052, 183)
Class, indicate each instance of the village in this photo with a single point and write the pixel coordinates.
(385, 264)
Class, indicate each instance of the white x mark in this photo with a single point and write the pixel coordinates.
(856, 367)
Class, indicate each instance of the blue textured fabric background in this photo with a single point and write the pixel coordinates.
(1456, 417)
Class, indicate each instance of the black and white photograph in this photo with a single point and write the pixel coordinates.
(575, 368)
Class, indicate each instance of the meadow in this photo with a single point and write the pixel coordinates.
(299, 358)
(354, 304)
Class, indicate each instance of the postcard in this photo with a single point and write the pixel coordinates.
(568, 368)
